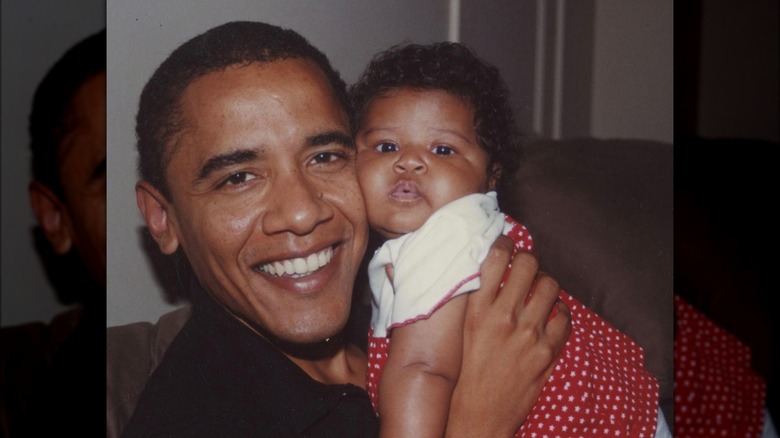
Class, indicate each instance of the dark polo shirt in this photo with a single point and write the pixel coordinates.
(220, 379)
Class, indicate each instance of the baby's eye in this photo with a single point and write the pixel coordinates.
(237, 179)
(386, 148)
(443, 150)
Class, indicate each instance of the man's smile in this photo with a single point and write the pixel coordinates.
(298, 266)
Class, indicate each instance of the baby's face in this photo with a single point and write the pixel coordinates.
(417, 150)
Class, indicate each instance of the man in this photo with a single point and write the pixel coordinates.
(247, 166)
(46, 369)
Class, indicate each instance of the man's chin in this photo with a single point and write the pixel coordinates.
(311, 346)
(316, 331)
(305, 331)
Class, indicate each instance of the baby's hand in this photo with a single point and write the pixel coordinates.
(389, 271)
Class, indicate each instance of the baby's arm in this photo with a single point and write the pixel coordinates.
(421, 371)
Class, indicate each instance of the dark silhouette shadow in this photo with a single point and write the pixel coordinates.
(724, 241)
(67, 274)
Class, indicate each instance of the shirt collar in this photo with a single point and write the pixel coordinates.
(295, 398)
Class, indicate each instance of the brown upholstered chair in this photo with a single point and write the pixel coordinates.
(601, 213)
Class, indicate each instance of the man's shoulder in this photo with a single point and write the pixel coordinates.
(199, 386)
(133, 352)
(27, 350)
(41, 338)
(144, 342)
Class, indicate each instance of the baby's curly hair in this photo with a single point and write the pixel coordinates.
(455, 68)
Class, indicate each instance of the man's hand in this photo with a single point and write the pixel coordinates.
(510, 347)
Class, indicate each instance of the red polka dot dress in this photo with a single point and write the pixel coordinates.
(599, 387)
(716, 393)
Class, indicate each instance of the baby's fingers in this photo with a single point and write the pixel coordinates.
(389, 271)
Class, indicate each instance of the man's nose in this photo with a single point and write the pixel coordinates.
(298, 206)
(410, 161)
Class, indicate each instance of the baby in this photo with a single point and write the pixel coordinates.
(436, 140)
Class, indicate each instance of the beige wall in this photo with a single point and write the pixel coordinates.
(596, 68)
(633, 70)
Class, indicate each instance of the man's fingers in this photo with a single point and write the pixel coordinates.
(559, 326)
(544, 295)
(493, 268)
(519, 282)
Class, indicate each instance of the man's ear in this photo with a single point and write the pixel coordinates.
(157, 212)
(494, 176)
(52, 216)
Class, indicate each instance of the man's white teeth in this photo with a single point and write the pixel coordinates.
(299, 265)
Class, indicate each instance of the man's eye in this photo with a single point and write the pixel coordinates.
(328, 157)
(237, 178)
(386, 148)
(443, 150)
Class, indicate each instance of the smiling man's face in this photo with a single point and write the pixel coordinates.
(264, 197)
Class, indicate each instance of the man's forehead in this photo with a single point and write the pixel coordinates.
(255, 81)
(270, 75)
(239, 107)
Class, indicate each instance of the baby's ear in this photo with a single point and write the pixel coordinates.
(494, 175)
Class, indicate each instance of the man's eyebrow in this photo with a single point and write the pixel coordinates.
(331, 137)
(224, 160)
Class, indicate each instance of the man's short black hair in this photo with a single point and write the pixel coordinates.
(454, 68)
(159, 116)
(51, 104)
